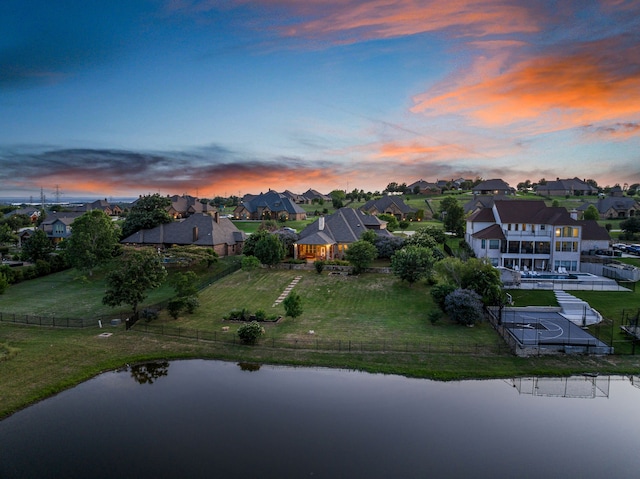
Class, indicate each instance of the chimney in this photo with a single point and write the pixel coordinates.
(321, 223)
(216, 217)
(195, 234)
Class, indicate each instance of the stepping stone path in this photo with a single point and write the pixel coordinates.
(287, 290)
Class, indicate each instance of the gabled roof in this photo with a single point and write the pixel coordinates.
(273, 201)
(569, 184)
(313, 194)
(616, 203)
(198, 229)
(346, 225)
(381, 204)
(592, 231)
(492, 185)
(491, 232)
(534, 212)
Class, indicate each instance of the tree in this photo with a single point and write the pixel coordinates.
(7, 235)
(252, 240)
(591, 213)
(292, 305)
(481, 277)
(361, 254)
(387, 245)
(269, 250)
(93, 241)
(452, 214)
(250, 263)
(439, 293)
(392, 221)
(37, 247)
(413, 263)
(423, 238)
(631, 225)
(464, 306)
(147, 212)
(136, 272)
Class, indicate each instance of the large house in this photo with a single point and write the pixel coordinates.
(57, 225)
(570, 186)
(493, 187)
(269, 206)
(329, 237)
(199, 229)
(425, 188)
(102, 205)
(526, 235)
(388, 205)
(612, 207)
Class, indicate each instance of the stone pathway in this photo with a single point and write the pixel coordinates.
(287, 290)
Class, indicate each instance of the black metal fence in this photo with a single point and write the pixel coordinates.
(333, 345)
(52, 320)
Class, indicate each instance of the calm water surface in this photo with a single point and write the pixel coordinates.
(191, 419)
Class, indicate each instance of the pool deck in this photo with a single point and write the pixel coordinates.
(585, 282)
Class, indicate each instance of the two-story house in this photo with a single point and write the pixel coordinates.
(526, 235)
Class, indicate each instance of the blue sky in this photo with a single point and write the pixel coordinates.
(225, 97)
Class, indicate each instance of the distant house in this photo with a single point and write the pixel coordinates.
(270, 206)
(482, 201)
(521, 235)
(329, 237)
(311, 195)
(389, 205)
(102, 205)
(32, 212)
(296, 198)
(570, 186)
(57, 228)
(425, 187)
(493, 187)
(199, 229)
(612, 207)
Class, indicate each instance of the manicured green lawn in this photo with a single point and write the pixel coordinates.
(372, 307)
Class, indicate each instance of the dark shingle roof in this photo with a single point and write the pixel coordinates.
(198, 229)
(591, 230)
(381, 204)
(274, 201)
(346, 225)
(491, 232)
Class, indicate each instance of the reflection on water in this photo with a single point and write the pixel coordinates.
(251, 367)
(213, 419)
(590, 387)
(147, 373)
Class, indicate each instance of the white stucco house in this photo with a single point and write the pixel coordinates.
(526, 235)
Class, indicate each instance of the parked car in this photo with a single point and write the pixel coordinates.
(634, 249)
(619, 246)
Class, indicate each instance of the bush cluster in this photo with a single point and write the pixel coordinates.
(246, 315)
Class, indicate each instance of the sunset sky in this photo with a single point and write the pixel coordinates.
(226, 97)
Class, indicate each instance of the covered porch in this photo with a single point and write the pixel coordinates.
(317, 247)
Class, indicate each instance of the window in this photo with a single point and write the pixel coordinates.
(494, 244)
(542, 247)
(483, 244)
(513, 247)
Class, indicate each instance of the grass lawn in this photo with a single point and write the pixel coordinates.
(372, 307)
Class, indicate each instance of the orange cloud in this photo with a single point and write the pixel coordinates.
(587, 86)
(370, 19)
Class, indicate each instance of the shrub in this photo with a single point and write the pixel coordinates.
(149, 314)
(440, 292)
(249, 333)
(175, 306)
(434, 315)
(319, 265)
(191, 303)
(260, 315)
(464, 306)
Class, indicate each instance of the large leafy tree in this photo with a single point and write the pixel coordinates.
(361, 254)
(37, 247)
(7, 235)
(137, 271)
(631, 225)
(413, 263)
(148, 212)
(452, 214)
(93, 240)
(475, 274)
(269, 250)
(251, 241)
(591, 213)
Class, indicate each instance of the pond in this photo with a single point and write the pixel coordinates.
(201, 418)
